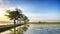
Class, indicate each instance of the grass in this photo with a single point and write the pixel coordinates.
(4, 26)
(44, 23)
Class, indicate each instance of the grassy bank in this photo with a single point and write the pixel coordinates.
(44, 23)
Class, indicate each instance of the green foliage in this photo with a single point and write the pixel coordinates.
(14, 15)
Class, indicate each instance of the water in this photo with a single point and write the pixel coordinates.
(41, 29)
(6, 32)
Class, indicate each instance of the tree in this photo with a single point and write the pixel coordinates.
(25, 19)
(14, 15)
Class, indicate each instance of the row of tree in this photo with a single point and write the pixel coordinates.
(17, 16)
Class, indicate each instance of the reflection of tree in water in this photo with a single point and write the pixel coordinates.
(20, 30)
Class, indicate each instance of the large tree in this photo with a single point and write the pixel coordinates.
(14, 15)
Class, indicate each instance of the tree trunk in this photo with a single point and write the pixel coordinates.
(14, 22)
(14, 28)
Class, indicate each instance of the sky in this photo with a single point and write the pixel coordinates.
(35, 10)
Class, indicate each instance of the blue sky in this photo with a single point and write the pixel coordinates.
(36, 10)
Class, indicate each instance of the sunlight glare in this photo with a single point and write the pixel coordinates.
(2, 13)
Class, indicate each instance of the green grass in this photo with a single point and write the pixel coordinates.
(4, 26)
(44, 23)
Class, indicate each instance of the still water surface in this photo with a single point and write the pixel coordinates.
(41, 29)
